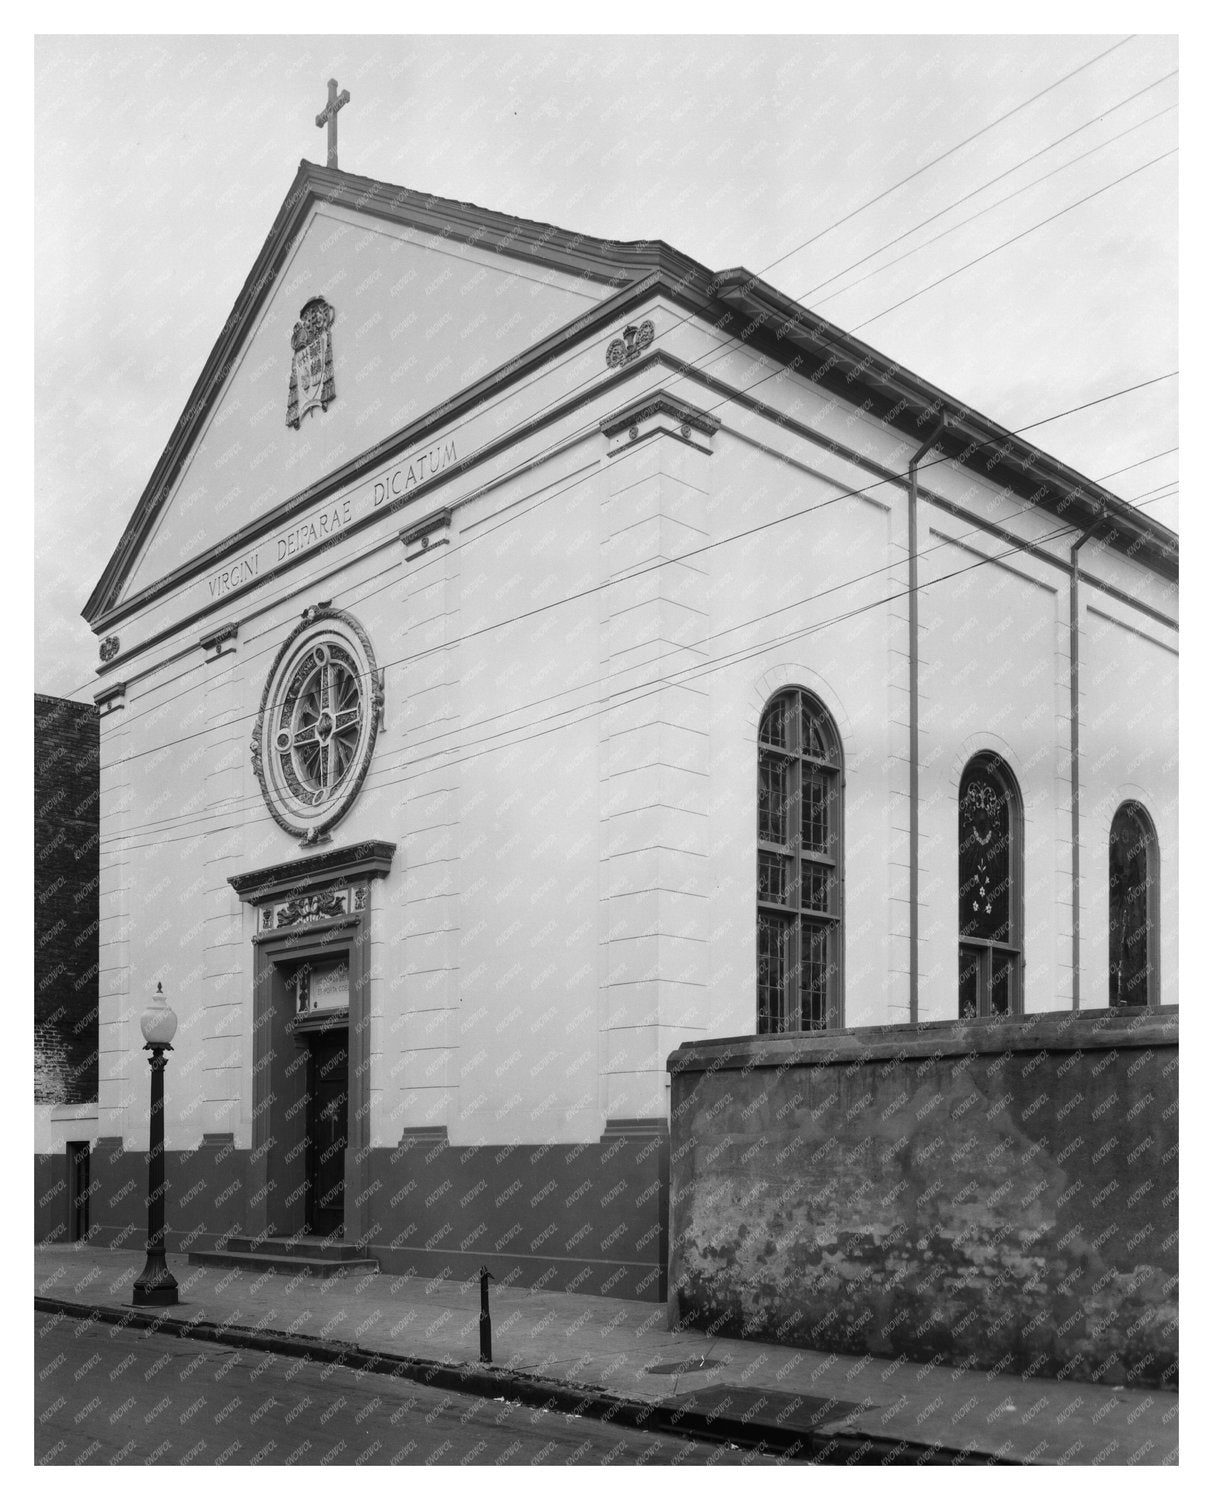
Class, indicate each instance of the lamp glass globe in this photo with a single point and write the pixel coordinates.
(159, 1021)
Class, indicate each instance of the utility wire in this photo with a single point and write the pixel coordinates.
(691, 673)
(989, 208)
(892, 478)
(1015, 238)
(352, 598)
(604, 700)
(991, 181)
(664, 562)
(516, 390)
(607, 583)
(951, 151)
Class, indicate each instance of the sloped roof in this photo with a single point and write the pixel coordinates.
(772, 322)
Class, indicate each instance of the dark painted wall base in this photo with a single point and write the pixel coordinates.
(205, 1198)
(589, 1217)
(585, 1218)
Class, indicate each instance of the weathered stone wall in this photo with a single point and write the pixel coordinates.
(66, 905)
(993, 1195)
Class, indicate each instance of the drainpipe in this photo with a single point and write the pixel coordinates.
(912, 549)
(1075, 882)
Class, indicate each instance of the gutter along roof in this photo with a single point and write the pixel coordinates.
(1002, 457)
(774, 324)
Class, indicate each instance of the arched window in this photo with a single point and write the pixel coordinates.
(1132, 908)
(991, 886)
(799, 866)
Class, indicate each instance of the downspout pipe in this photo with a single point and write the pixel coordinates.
(912, 553)
(1075, 845)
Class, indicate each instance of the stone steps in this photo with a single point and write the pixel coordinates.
(303, 1246)
(290, 1257)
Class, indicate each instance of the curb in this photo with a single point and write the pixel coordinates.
(499, 1382)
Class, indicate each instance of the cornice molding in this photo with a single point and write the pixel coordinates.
(612, 263)
(366, 464)
(368, 861)
(426, 535)
(111, 698)
(654, 359)
(660, 404)
(911, 406)
(773, 324)
(221, 641)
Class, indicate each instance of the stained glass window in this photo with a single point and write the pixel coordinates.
(991, 957)
(799, 866)
(1132, 908)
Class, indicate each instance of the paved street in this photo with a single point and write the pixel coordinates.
(105, 1395)
(618, 1346)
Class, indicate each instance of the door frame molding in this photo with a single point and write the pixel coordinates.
(349, 874)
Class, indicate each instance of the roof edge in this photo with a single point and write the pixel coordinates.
(973, 439)
(776, 320)
(617, 264)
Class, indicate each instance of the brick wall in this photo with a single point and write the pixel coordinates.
(66, 905)
(1002, 1196)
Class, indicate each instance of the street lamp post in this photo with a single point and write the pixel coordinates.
(156, 1286)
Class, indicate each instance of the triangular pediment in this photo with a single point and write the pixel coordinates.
(434, 304)
(420, 299)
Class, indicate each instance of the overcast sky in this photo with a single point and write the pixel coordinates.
(160, 163)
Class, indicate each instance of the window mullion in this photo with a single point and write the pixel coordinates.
(809, 921)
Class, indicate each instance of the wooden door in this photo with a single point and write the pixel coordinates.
(328, 1088)
(77, 1190)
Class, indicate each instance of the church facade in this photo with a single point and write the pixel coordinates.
(533, 653)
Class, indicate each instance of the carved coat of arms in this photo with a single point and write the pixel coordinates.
(311, 361)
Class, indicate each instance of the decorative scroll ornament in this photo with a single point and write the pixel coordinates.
(311, 361)
(636, 339)
(309, 908)
(109, 648)
(315, 733)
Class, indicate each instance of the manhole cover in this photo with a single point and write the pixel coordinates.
(685, 1366)
(752, 1406)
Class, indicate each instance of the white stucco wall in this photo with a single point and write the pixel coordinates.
(573, 889)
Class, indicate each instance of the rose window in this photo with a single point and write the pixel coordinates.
(319, 723)
(319, 717)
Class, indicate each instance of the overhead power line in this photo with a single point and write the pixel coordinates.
(410, 758)
(653, 567)
(951, 151)
(664, 562)
(998, 177)
(1015, 238)
(711, 357)
(990, 207)
(691, 673)
(884, 567)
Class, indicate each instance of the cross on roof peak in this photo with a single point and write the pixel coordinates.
(328, 116)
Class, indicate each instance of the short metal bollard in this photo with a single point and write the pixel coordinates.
(486, 1325)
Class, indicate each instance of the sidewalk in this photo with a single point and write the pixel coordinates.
(553, 1348)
